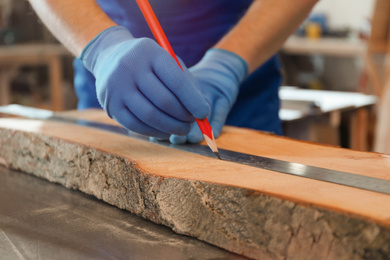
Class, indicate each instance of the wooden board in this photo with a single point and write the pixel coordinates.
(250, 211)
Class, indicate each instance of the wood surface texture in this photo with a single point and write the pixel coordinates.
(257, 213)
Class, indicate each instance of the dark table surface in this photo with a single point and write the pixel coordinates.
(42, 220)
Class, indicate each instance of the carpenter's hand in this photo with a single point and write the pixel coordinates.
(218, 76)
(141, 86)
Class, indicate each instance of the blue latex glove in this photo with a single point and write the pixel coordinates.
(218, 76)
(141, 86)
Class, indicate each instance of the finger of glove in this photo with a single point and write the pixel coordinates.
(218, 118)
(129, 121)
(178, 139)
(156, 139)
(195, 135)
(144, 110)
(152, 88)
(181, 86)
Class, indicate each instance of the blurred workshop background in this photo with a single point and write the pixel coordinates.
(335, 71)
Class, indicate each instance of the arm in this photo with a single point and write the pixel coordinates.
(257, 36)
(73, 22)
(137, 82)
(264, 28)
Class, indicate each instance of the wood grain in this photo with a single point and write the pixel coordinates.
(250, 211)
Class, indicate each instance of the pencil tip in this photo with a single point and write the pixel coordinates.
(217, 154)
(213, 146)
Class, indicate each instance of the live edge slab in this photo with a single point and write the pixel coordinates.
(250, 211)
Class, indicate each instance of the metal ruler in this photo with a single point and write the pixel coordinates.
(296, 169)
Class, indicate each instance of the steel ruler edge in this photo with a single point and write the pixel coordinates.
(296, 169)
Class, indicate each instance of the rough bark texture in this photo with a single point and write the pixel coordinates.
(239, 220)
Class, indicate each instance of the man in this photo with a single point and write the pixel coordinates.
(228, 46)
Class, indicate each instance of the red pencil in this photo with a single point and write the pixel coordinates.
(159, 34)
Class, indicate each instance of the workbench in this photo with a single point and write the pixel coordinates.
(337, 47)
(326, 63)
(13, 57)
(259, 212)
(303, 109)
(42, 220)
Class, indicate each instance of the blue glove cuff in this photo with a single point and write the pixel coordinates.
(231, 61)
(103, 41)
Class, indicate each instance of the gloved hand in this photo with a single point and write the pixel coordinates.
(218, 76)
(141, 86)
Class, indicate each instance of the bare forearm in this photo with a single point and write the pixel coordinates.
(73, 22)
(264, 28)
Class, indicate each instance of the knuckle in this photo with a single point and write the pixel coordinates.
(163, 62)
(144, 43)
